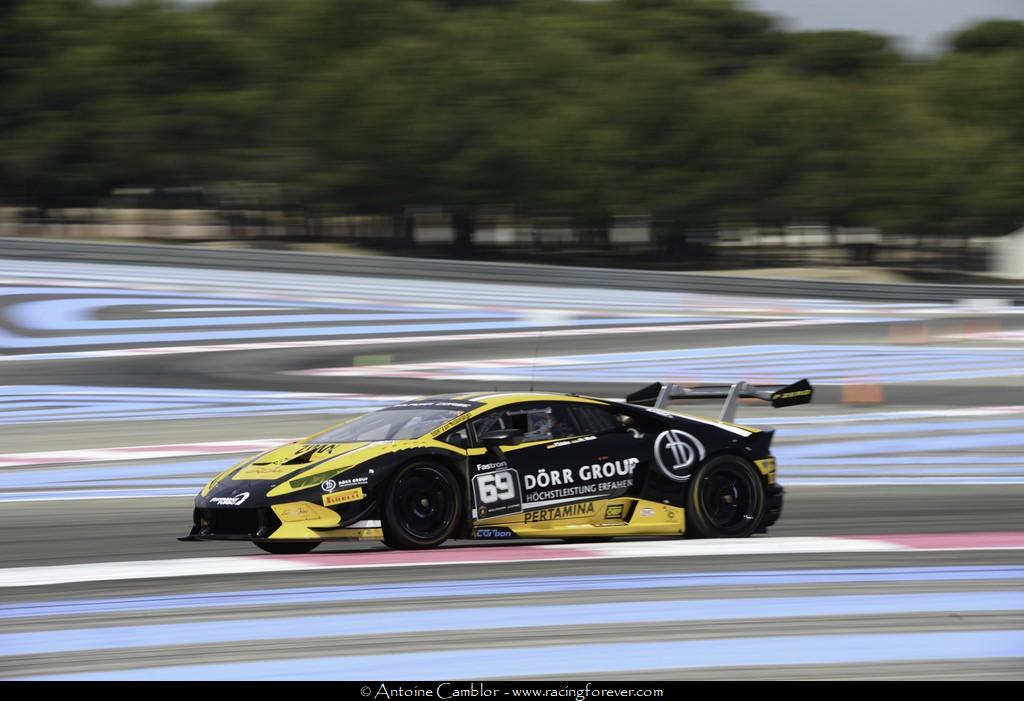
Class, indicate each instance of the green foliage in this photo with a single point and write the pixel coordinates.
(994, 35)
(698, 111)
(840, 53)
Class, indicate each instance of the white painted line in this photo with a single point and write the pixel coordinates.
(1014, 336)
(202, 310)
(151, 569)
(392, 340)
(188, 567)
(841, 419)
(738, 546)
(92, 495)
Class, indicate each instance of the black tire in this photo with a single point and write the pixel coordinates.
(287, 548)
(421, 507)
(726, 499)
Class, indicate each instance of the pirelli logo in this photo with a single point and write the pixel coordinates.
(343, 497)
(559, 512)
(790, 395)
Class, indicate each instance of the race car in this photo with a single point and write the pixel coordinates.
(505, 465)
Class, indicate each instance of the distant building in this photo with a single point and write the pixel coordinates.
(1008, 255)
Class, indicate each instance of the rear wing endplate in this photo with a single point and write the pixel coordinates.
(658, 395)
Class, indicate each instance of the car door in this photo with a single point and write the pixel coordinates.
(560, 461)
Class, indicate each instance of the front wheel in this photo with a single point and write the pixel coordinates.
(421, 507)
(726, 499)
(286, 548)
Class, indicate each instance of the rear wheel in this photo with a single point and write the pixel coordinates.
(421, 506)
(286, 548)
(726, 499)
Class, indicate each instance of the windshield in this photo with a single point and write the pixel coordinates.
(389, 425)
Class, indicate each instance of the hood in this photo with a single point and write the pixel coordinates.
(293, 458)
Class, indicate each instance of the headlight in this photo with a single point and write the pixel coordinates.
(313, 480)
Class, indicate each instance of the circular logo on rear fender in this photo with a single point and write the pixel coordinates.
(329, 486)
(676, 452)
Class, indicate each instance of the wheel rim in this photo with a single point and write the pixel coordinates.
(425, 503)
(728, 498)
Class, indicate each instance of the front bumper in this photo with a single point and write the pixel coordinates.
(233, 524)
(265, 523)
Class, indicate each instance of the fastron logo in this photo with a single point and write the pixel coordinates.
(329, 486)
(676, 452)
(236, 500)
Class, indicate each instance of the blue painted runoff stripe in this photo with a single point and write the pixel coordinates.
(829, 364)
(829, 470)
(896, 426)
(267, 409)
(875, 417)
(35, 403)
(562, 660)
(85, 494)
(156, 482)
(396, 622)
(958, 459)
(852, 481)
(36, 478)
(81, 314)
(493, 587)
(14, 341)
(115, 294)
(931, 444)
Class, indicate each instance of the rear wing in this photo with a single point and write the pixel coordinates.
(658, 395)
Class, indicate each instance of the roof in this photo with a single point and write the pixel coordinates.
(496, 399)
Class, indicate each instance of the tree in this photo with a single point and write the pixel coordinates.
(990, 36)
(840, 53)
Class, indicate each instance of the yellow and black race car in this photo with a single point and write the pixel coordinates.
(508, 465)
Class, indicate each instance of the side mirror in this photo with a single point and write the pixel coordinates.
(502, 436)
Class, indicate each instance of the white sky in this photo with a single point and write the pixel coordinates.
(920, 24)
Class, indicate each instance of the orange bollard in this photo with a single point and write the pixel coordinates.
(980, 327)
(908, 333)
(854, 392)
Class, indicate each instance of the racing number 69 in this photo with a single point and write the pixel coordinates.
(498, 486)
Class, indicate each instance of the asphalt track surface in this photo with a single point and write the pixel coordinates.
(118, 359)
